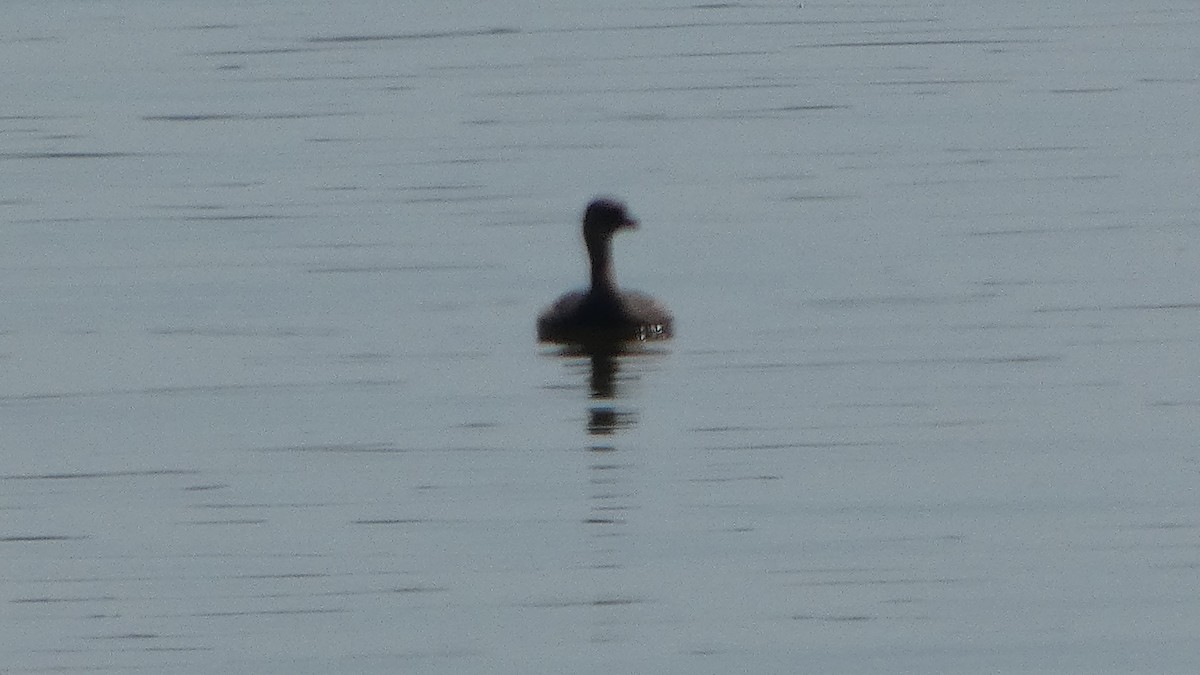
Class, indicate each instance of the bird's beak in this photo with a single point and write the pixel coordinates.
(628, 224)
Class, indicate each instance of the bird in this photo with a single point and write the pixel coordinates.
(604, 313)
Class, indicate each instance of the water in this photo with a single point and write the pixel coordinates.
(271, 400)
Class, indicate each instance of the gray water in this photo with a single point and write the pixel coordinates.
(271, 400)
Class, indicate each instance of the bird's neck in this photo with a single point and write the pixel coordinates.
(600, 255)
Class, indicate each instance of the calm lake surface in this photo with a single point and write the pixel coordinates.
(271, 400)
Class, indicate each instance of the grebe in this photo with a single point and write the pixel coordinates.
(602, 312)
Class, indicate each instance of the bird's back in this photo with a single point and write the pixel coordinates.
(626, 315)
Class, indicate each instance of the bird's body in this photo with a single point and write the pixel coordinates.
(603, 312)
(581, 315)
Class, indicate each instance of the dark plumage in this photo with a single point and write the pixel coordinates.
(602, 312)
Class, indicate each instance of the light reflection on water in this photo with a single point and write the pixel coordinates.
(271, 400)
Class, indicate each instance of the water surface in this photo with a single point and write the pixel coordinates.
(271, 400)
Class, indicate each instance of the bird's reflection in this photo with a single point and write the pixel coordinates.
(605, 360)
(611, 474)
(606, 420)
